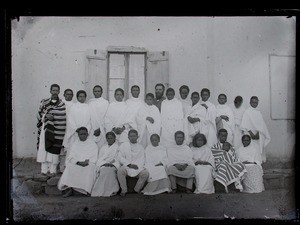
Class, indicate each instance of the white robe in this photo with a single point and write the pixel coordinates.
(115, 117)
(68, 104)
(153, 156)
(211, 117)
(186, 105)
(78, 177)
(197, 111)
(253, 120)
(132, 154)
(228, 125)
(98, 108)
(133, 107)
(144, 127)
(180, 154)
(238, 114)
(172, 120)
(204, 173)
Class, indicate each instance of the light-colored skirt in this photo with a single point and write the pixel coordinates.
(157, 187)
(253, 179)
(204, 180)
(189, 172)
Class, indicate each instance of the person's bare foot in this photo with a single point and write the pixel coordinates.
(123, 193)
(68, 193)
(188, 191)
(173, 191)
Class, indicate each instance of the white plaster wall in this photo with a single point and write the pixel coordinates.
(227, 55)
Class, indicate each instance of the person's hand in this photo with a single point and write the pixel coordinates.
(133, 166)
(252, 135)
(97, 132)
(203, 104)
(159, 164)
(83, 163)
(150, 119)
(224, 117)
(107, 165)
(184, 166)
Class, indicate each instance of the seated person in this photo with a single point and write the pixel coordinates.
(106, 183)
(251, 157)
(79, 173)
(156, 162)
(226, 146)
(180, 168)
(132, 158)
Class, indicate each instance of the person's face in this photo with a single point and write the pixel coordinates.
(82, 134)
(254, 103)
(149, 100)
(135, 91)
(195, 99)
(81, 97)
(246, 141)
(223, 137)
(154, 141)
(205, 96)
(199, 142)
(184, 93)
(110, 139)
(179, 138)
(238, 104)
(170, 95)
(159, 92)
(226, 146)
(68, 96)
(54, 92)
(132, 137)
(119, 96)
(97, 92)
(222, 99)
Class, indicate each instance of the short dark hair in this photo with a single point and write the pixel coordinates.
(81, 128)
(170, 90)
(222, 130)
(195, 93)
(150, 95)
(68, 89)
(246, 135)
(153, 135)
(134, 87)
(54, 85)
(110, 133)
(205, 90)
(119, 89)
(238, 99)
(254, 97)
(179, 132)
(160, 84)
(98, 87)
(199, 135)
(133, 131)
(184, 87)
(80, 92)
(223, 95)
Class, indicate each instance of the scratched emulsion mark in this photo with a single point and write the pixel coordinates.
(22, 25)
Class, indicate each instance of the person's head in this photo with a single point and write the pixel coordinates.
(68, 94)
(82, 133)
(222, 134)
(195, 97)
(184, 91)
(97, 91)
(155, 139)
(222, 99)
(179, 137)
(54, 91)
(149, 99)
(170, 93)
(119, 94)
(133, 136)
(81, 96)
(159, 90)
(238, 101)
(110, 138)
(135, 91)
(205, 94)
(199, 140)
(226, 146)
(246, 140)
(254, 101)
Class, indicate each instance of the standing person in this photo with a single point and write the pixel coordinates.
(106, 183)
(254, 125)
(196, 118)
(204, 165)
(79, 116)
(148, 121)
(171, 118)
(180, 168)
(238, 110)
(156, 163)
(132, 158)
(115, 118)
(159, 95)
(98, 107)
(225, 117)
(250, 156)
(211, 116)
(184, 91)
(51, 130)
(79, 174)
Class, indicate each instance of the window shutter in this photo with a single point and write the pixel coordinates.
(96, 71)
(157, 70)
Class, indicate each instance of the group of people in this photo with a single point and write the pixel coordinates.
(162, 141)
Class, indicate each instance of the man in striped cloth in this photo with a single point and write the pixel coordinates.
(51, 130)
(228, 170)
